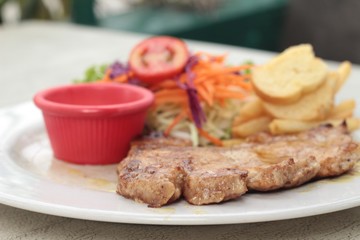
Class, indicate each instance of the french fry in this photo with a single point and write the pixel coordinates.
(251, 127)
(285, 126)
(343, 110)
(351, 123)
(344, 72)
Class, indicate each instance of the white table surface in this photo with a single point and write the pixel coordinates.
(36, 55)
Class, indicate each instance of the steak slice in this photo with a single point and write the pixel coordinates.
(160, 176)
(333, 147)
(160, 171)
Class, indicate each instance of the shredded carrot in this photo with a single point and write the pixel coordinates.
(209, 76)
(212, 139)
(205, 95)
(106, 77)
(210, 56)
(222, 102)
(120, 79)
(167, 84)
(242, 84)
(210, 89)
(230, 69)
(213, 80)
(170, 92)
(229, 94)
(172, 99)
(176, 120)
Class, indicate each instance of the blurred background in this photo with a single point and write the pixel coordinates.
(331, 26)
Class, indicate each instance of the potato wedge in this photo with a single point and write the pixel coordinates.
(288, 76)
(313, 106)
(251, 127)
(250, 110)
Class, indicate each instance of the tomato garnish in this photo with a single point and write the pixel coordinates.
(158, 58)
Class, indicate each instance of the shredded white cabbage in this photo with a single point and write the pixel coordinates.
(218, 121)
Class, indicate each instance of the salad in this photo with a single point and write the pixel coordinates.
(197, 95)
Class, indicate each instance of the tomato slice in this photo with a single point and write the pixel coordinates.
(158, 58)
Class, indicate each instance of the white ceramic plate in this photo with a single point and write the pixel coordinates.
(30, 178)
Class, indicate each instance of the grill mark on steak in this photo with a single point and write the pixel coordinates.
(160, 171)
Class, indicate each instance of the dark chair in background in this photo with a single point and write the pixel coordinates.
(331, 26)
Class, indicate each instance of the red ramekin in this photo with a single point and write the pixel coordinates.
(93, 123)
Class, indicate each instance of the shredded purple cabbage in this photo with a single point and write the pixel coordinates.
(194, 103)
(118, 69)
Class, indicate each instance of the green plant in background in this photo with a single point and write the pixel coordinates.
(77, 11)
(58, 10)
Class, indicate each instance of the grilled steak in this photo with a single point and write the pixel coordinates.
(159, 171)
(332, 147)
(160, 176)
